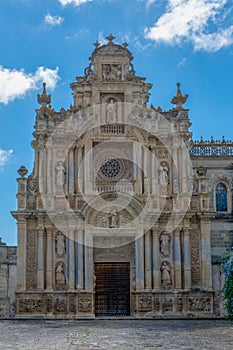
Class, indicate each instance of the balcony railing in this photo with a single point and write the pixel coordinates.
(212, 148)
(113, 186)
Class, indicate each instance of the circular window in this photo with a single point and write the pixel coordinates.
(111, 168)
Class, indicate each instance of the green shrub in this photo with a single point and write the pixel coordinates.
(227, 263)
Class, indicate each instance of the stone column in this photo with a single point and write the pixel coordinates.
(138, 168)
(21, 253)
(139, 256)
(88, 176)
(80, 168)
(187, 258)
(177, 259)
(146, 169)
(49, 259)
(49, 171)
(79, 259)
(40, 259)
(206, 275)
(154, 173)
(71, 260)
(89, 272)
(71, 170)
(148, 284)
(156, 260)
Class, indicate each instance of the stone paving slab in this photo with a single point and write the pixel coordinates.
(116, 334)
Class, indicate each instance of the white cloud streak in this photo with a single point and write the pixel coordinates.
(190, 20)
(75, 3)
(16, 83)
(149, 3)
(4, 156)
(53, 20)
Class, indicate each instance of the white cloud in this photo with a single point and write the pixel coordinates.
(16, 83)
(53, 20)
(4, 156)
(215, 41)
(182, 62)
(149, 3)
(101, 39)
(190, 20)
(75, 3)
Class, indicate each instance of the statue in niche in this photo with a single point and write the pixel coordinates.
(114, 219)
(195, 185)
(165, 244)
(111, 111)
(60, 173)
(165, 274)
(60, 244)
(60, 274)
(163, 175)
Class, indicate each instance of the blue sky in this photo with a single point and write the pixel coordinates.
(190, 41)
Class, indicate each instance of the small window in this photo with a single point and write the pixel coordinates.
(221, 197)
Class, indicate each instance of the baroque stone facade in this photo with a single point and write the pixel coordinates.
(123, 214)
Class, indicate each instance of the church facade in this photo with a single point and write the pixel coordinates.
(123, 214)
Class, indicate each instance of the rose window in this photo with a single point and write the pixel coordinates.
(111, 168)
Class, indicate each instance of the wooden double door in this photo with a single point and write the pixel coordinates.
(112, 289)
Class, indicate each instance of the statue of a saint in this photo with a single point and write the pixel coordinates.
(111, 112)
(165, 274)
(165, 244)
(114, 219)
(60, 244)
(163, 175)
(60, 170)
(60, 274)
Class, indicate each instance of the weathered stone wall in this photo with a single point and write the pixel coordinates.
(8, 271)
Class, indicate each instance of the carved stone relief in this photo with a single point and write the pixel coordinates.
(111, 72)
(60, 305)
(145, 304)
(167, 305)
(31, 259)
(199, 304)
(30, 305)
(85, 304)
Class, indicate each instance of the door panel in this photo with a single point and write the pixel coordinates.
(112, 290)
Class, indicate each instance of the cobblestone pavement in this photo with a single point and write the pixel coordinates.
(116, 334)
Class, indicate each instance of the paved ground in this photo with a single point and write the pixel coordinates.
(116, 334)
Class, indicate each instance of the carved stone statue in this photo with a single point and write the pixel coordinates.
(60, 244)
(111, 111)
(165, 240)
(60, 171)
(114, 219)
(163, 175)
(60, 274)
(165, 274)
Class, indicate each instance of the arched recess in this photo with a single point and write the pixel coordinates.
(104, 203)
